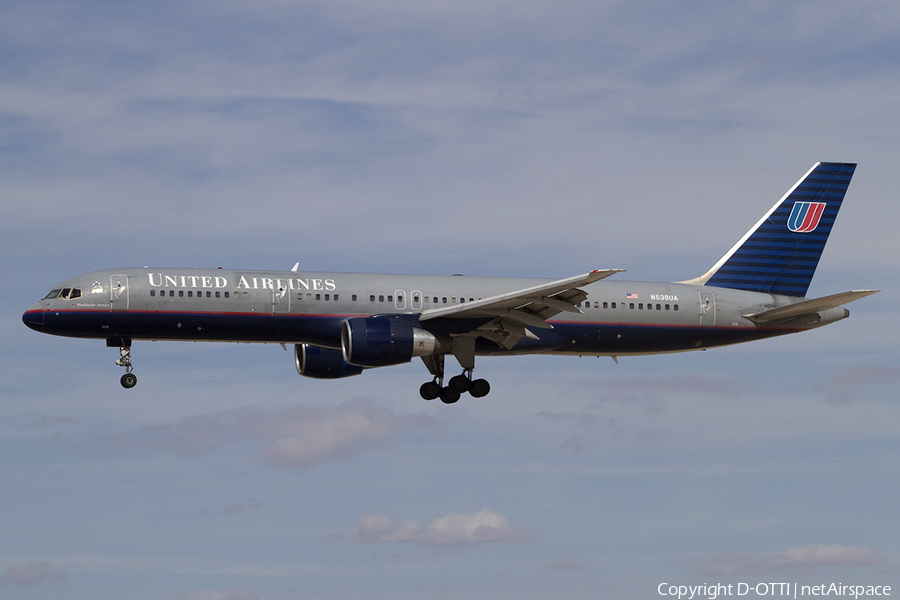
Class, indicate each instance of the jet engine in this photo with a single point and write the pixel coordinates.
(383, 341)
(322, 363)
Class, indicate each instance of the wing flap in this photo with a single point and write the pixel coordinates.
(807, 307)
(513, 313)
(543, 301)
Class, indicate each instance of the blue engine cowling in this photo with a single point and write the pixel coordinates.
(322, 363)
(383, 341)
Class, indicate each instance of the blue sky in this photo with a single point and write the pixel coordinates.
(487, 138)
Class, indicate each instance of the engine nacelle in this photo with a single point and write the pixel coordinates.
(322, 363)
(383, 341)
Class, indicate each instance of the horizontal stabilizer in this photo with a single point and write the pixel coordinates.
(807, 307)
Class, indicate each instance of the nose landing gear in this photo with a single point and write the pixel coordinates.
(129, 379)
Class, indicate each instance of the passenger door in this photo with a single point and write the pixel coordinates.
(118, 292)
(707, 309)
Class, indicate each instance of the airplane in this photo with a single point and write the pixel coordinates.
(341, 324)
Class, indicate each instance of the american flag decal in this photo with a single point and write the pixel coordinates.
(632, 296)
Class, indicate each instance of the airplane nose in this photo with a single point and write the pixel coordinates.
(34, 317)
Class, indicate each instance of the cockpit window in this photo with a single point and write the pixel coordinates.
(70, 293)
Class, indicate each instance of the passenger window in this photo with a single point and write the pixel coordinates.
(381, 298)
(390, 298)
(335, 297)
(318, 296)
(218, 296)
(606, 305)
(226, 294)
(152, 293)
(244, 295)
(676, 307)
(181, 293)
(444, 299)
(190, 294)
(209, 294)
(613, 305)
(657, 307)
(667, 307)
(372, 298)
(641, 306)
(353, 297)
(631, 306)
(327, 296)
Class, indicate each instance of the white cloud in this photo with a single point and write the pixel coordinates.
(848, 385)
(232, 509)
(455, 528)
(566, 564)
(291, 438)
(35, 573)
(804, 560)
(235, 593)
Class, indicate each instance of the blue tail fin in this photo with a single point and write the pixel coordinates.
(780, 253)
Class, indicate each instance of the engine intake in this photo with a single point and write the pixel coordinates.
(322, 363)
(384, 341)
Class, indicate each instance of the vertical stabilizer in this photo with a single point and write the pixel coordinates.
(780, 253)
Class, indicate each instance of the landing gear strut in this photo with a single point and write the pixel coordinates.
(456, 386)
(129, 379)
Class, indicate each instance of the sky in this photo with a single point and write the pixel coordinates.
(485, 138)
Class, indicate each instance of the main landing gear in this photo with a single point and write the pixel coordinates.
(456, 386)
(129, 379)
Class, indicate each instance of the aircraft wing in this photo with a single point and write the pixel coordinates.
(807, 307)
(514, 312)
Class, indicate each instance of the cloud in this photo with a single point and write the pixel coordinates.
(848, 385)
(455, 528)
(292, 438)
(566, 564)
(802, 561)
(52, 420)
(235, 593)
(232, 509)
(34, 574)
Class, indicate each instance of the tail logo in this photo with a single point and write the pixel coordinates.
(805, 216)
